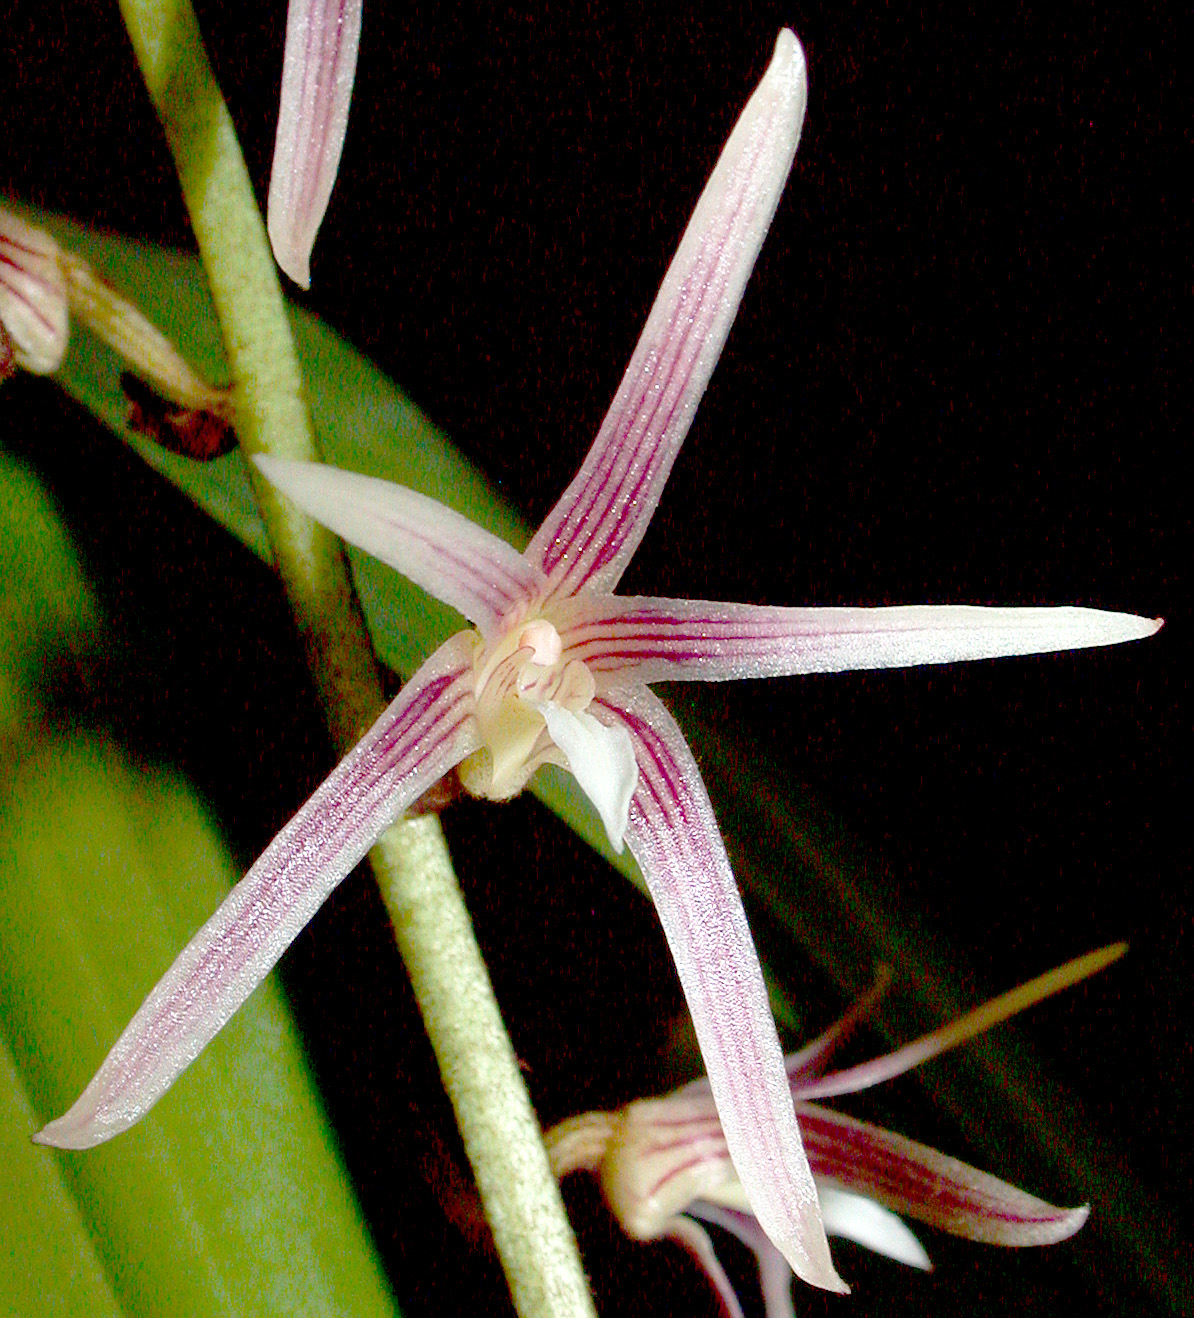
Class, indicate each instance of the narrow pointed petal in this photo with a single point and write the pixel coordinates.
(110, 315)
(318, 69)
(436, 547)
(684, 1231)
(673, 835)
(626, 639)
(428, 729)
(857, 1218)
(919, 1182)
(956, 1032)
(811, 1060)
(590, 535)
(775, 1277)
(33, 306)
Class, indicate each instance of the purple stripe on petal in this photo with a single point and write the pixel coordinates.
(428, 729)
(593, 531)
(322, 37)
(921, 1183)
(436, 547)
(625, 639)
(33, 302)
(673, 836)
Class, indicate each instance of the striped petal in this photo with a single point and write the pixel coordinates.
(919, 1182)
(33, 306)
(590, 535)
(775, 1277)
(437, 548)
(673, 835)
(320, 64)
(625, 639)
(428, 729)
(808, 1082)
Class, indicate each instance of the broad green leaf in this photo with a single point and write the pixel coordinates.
(48, 1264)
(229, 1198)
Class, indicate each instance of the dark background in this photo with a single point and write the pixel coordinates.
(955, 378)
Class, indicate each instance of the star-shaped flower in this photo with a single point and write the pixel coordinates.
(664, 1166)
(557, 671)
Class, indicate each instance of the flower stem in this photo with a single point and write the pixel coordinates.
(480, 1071)
(411, 863)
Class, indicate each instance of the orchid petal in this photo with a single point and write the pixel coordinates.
(624, 639)
(684, 1231)
(954, 1032)
(775, 1277)
(591, 533)
(673, 836)
(426, 730)
(857, 1218)
(33, 307)
(318, 69)
(439, 549)
(601, 759)
(919, 1182)
(810, 1061)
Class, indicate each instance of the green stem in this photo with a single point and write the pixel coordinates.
(480, 1072)
(411, 862)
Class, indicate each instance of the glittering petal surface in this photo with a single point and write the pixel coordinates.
(427, 729)
(590, 535)
(437, 548)
(919, 1182)
(673, 836)
(626, 639)
(320, 63)
(33, 305)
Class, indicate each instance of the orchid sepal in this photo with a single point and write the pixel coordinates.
(318, 70)
(423, 733)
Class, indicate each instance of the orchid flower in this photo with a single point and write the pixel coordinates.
(664, 1165)
(556, 671)
(318, 69)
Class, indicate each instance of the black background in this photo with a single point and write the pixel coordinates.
(955, 378)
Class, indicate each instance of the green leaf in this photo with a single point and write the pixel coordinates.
(229, 1198)
(51, 1266)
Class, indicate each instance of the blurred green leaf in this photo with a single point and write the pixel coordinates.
(46, 605)
(229, 1198)
(49, 1263)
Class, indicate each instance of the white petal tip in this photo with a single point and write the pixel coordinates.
(601, 759)
(294, 259)
(74, 1130)
(855, 1217)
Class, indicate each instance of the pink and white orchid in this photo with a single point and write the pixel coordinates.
(665, 1168)
(556, 671)
(318, 70)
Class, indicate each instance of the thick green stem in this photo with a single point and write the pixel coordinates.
(411, 862)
